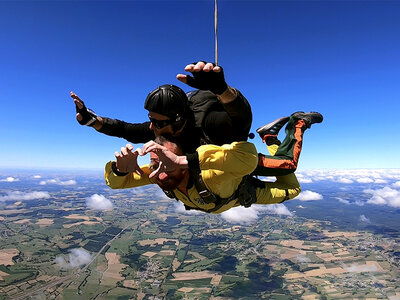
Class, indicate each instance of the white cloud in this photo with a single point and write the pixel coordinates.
(98, 202)
(36, 176)
(58, 182)
(180, 208)
(302, 258)
(22, 196)
(396, 184)
(354, 268)
(364, 219)
(240, 215)
(347, 176)
(364, 180)
(67, 182)
(309, 196)
(275, 209)
(384, 196)
(76, 258)
(380, 181)
(341, 200)
(304, 180)
(246, 216)
(10, 179)
(344, 180)
(359, 203)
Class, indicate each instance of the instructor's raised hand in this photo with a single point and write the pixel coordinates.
(206, 76)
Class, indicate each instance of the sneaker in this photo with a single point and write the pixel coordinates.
(310, 118)
(273, 127)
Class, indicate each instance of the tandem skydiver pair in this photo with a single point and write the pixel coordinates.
(205, 127)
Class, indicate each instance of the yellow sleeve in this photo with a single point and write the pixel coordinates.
(128, 181)
(223, 167)
(238, 157)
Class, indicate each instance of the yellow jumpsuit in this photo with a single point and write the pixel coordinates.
(222, 169)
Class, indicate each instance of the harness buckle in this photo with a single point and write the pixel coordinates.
(204, 194)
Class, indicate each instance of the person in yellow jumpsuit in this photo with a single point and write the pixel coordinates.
(222, 170)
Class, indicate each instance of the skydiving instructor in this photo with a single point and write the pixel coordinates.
(215, 113)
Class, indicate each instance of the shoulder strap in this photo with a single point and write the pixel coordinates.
(206, 194)
(201, 187)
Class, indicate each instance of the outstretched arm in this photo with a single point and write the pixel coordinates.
(132, 132)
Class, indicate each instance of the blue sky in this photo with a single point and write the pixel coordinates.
(340, 58)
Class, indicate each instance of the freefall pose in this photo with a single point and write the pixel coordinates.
(221, 170)
(214, 114)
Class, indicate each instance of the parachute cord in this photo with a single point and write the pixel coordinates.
(216, 31)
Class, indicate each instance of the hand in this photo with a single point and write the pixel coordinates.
(206, 76)
(169, 161)
(127, 160)
(84, 115)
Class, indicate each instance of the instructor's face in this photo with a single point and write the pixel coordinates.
(160, 124)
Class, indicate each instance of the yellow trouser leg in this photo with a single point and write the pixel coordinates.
(284, 188)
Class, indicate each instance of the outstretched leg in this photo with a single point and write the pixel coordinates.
(286, 158)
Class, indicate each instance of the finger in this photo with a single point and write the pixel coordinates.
(139, 151)
(129, 147)
(139, 171)
(156, 172)
(78, 102)
(208, 67)
(189, 67)
(124, 151)
(217, 69)
(79, 117)
(147, 145)
(181, 78)
(117, 155)
(199, 66)
(74, 96)
(152, 148)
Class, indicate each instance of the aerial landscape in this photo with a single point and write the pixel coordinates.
(67, 236)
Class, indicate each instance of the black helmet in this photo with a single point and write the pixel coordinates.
(168, 100)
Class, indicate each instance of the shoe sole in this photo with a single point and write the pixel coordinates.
(272, 124)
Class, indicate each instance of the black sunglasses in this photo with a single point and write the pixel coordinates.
(160, 123)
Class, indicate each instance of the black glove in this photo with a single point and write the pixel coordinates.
(212, 81)
(89, 117)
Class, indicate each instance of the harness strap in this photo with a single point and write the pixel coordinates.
(287, 195)
(170, 194)
(201, 187)
(245, 194)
